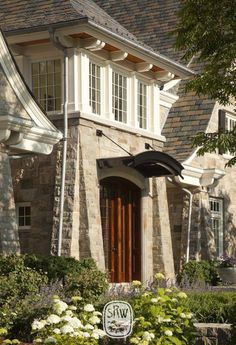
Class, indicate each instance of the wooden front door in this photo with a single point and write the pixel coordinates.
(120, 216)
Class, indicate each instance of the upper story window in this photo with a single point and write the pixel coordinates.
(46, 83)
(142, 105)
(216, 209)
(95, 88)
(24, 215)
(119, 97)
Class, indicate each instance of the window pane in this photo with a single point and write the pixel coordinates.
(46, 83)
(94, 88)
(119, 97)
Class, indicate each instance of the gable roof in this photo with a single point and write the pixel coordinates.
(23, 125)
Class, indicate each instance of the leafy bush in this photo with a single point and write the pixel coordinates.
(195, 271)
(78, 277)
(74, 324)
(27, 284)
(213, 306)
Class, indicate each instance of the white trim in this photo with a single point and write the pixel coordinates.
(167, 99)
(122, 126)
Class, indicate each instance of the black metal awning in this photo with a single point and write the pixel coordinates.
(148, 163)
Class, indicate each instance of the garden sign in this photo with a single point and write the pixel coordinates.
(118, 319)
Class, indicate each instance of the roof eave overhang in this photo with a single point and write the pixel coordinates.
(106, 35)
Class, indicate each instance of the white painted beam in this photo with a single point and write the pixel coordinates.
(92, 44)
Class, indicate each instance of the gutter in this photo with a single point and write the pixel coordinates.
(165, 62)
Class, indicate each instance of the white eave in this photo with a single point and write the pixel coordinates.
(195, 176)
(34, 134)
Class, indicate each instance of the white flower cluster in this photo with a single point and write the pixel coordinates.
(65, 322)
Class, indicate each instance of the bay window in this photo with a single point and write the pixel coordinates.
(119, 97)
(142, 105)
(95, 88)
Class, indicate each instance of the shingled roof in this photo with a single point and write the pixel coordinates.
(153, 21)
(18, 15)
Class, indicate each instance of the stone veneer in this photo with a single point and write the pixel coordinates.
(37, 180)
(213, 334)
(9, 240)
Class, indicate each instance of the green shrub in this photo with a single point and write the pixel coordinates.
(198, 271)
(213, 306)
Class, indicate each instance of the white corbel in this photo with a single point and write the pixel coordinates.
(143, 66)
(66, 41)
(92, 44)
(118, 55)
(16, 49)
(164, 75)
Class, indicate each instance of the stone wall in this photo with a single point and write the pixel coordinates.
(213, 334)
(9, 239)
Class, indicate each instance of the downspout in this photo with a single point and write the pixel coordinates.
(189, 214)
(189, 220)
(59, 46)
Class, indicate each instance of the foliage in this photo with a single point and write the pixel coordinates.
(78, 277)
(161, 317)
(213, 306)
(68, 324)
(27, 284)
(195, 271)
(226, 261)
(207, 29)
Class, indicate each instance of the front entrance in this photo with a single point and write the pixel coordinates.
(120, 216)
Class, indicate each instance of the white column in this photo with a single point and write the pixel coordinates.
(83, 82)
(108, 92)
(133, 101)
(73, 78)
(155, 108)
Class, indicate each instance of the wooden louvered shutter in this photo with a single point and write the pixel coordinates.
(222, 125)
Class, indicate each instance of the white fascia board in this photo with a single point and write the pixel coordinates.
(127, 45)
(198, 176)
(28, 145)
(167, 99)
(21, 91)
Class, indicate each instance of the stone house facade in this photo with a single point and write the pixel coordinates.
(129, 123)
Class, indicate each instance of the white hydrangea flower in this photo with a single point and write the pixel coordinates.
(53, 319)
(148, 336)
(94, 320)
(98, 333)
(182, 295)
(167, 320)
(168, 333)
(159, 276)
(38, 324)
(134, 340)
(38, 340)
(69, 312)
(174, 299)
(189, 315)
(97, 313)
(50, 340)
(66, 318)
(75, 323)
(160, 319)
(88, 326)
(67, 329)
(72, 307)
(86, 335)
(56, 331)
(89, 308)
(182, 315)
(154, 300)
(60, 306)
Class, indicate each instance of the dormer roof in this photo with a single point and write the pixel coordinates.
(23, 124)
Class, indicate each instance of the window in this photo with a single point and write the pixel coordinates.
(46, 83)
(95, 88)
(24, 215)
(142, 105)
(216, 208)
(119, 97)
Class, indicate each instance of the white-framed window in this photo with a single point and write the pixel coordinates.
(119, 96)
(23, 211)
(95, 88)
(46, 79)
(230, 123)
(142, 104)
(216, 209)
